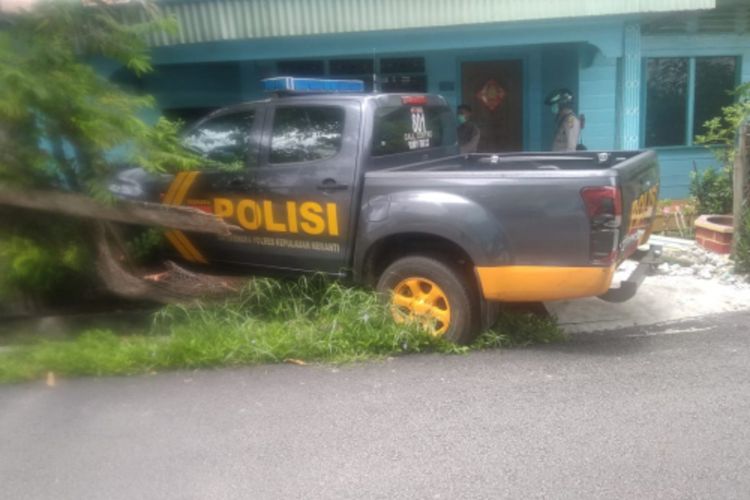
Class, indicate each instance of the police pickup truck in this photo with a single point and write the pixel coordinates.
(371, 188)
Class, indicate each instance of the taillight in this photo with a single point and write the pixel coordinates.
(414, 100)
(604, 209)
(603, 205)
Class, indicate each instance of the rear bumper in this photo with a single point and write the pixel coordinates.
(646, 260)
(543, 283)
(547, 283)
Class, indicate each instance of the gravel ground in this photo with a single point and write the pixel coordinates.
(692, 260)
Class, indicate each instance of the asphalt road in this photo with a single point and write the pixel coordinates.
(657, 413)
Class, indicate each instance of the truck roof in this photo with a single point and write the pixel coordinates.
(382, 99)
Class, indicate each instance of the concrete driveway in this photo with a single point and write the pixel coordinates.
(660, 299)
(701, 288)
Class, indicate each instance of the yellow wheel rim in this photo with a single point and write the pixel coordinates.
(423, 301)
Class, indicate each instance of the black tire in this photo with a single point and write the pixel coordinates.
(462, 304)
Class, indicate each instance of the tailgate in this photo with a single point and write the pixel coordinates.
(638, 179)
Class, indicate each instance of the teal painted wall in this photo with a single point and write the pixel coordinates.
(199, 85)
(441, 67)
(598, 100)
(676, 165)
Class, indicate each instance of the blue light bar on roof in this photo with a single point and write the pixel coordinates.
(292, 84)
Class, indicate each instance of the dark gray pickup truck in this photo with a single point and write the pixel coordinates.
(371, 188)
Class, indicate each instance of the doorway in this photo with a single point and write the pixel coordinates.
(494, 90)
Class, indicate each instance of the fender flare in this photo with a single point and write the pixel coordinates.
(451, 217)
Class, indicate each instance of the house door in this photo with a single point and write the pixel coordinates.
(494, 90)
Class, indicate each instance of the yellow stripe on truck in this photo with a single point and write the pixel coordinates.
(183, 189)
(190, 248)
(175, 196)
(543, 283)
(177, 244)
(176, 182)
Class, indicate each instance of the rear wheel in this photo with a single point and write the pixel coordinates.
(436, 295)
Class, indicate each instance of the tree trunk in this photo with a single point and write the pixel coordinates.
(128, 212)
(741, 196)
(174, 284)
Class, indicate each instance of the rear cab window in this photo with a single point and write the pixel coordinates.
(411, 126)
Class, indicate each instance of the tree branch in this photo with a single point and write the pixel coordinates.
(138, 213)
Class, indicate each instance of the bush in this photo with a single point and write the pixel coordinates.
(742, 255)
(43, 261)
(146, 246)
(722, 137)
(712, 190)
(721, 131)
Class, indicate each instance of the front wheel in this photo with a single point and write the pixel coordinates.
(434, 294)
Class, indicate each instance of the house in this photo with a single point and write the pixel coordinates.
(646, 74)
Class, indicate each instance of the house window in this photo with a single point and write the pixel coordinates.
(394, 65)
(394, 74)
(714, 78)
(403, 74)
(353, 69)
(304, 67)
(682, 94)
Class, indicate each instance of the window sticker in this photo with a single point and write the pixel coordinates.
(419, 137)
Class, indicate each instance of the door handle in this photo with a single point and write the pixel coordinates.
(332, 185)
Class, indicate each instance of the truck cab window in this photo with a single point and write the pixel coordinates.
(225, 139)
(400, 129)
(306, 133)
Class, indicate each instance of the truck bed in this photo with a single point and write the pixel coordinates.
(485, 162)
(532, 199)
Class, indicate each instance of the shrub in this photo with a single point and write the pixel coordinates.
(43, 261)
(146, 246)
(722, 137)
(742, 254)
(712, 190)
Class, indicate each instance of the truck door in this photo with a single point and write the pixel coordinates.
(229, 144)
(300, 216)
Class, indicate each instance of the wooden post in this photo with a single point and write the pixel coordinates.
(741, 196)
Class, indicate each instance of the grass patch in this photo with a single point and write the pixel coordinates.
(514, 329)
(270, 322)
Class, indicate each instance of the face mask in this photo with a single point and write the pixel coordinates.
(461, 119)
(555, 108)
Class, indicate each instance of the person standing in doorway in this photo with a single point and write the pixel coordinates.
(568, 125)
(467, 131)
